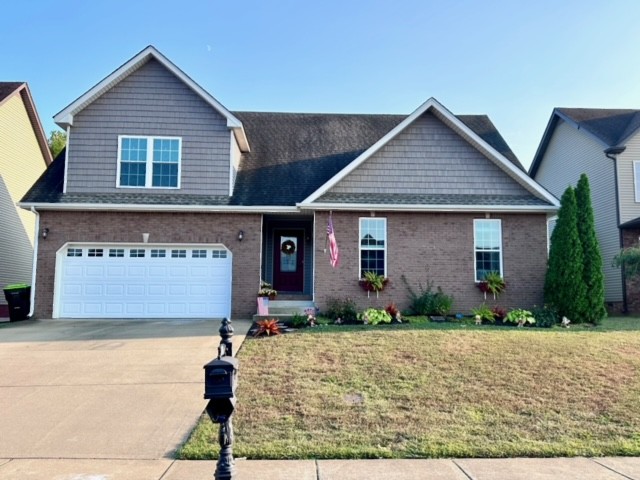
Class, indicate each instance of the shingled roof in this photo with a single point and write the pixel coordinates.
(292, 155)
(7, 88)
(610, 126)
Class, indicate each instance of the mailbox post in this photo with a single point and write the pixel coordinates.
(220, 382)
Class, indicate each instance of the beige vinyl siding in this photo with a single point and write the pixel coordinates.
(570, 153)
(428, 157)
(629, 207)
(149, 102)
(21, 164)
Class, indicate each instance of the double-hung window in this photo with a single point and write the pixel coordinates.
(373, 246)
(487, 237)
(149, 162)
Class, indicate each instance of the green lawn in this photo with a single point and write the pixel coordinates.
(436, 390)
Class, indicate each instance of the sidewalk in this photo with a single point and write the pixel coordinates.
(610, 468)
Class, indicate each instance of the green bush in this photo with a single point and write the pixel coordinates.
(546, 317)
(374, 316)
(485, 313)
(344, 309)
(426, 301)
(298, 320)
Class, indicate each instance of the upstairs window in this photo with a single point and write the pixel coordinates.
(149, 162)
(487, 237)
(373, 246)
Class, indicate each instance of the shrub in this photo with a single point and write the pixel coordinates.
(392, 310)
(498, 313)
(520, 316)
(484, 312)
(298, 320)
(426, 301)
(546, 317)
(564, 286)
(345, 309)
(592, 267)
(374, 316)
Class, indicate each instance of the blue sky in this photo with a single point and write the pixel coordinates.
(512, 60)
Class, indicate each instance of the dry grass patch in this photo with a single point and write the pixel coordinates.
(428, 393)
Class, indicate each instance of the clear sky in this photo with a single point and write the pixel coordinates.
(512, 60)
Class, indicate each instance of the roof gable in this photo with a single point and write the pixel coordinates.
(64, 118)
(9, 90)
(458, 126)
(608, 126)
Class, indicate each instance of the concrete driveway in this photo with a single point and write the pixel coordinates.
(102, 389)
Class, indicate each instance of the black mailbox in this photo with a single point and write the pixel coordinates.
(220, 381)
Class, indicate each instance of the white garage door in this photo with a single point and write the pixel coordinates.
(143, 281)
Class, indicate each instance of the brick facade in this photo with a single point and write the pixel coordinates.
(631, 238)
(437, 247)
(423, 247)
(162, 228)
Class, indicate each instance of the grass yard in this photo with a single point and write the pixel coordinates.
(410, 392)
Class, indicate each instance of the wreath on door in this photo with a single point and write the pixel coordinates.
(288, 247)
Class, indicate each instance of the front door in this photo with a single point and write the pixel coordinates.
(288, 261)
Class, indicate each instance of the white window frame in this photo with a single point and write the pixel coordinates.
(360, 248)
(148, 182)
(476, 221)
(636, 183)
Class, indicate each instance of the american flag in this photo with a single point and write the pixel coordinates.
(334, 253)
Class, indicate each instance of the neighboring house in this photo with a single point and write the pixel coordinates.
(605, 145)
(24, 155)
(169, 205)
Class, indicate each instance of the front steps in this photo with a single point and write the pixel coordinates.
(283, 310)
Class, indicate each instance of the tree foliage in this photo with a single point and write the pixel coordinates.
(564, 286)
(592, 258)
(57, 141)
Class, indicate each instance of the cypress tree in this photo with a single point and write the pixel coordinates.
(592, 259)
(564, 286)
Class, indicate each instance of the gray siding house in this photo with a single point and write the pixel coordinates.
(167, 204)
(605, 145)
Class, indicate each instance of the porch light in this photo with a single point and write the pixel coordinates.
(45, 233)
(240, 235)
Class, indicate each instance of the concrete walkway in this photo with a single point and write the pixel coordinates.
(112, 400)
(460, 469)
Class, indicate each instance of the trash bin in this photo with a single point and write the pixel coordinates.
(19, 299)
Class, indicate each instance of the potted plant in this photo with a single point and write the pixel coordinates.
(266, 290)
(372, 282)
(492, 283)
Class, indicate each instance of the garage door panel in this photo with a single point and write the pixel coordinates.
(114, 290)
(157, 290)
(143, 282)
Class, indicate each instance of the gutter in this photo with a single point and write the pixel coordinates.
(34, 268)
(612, 153)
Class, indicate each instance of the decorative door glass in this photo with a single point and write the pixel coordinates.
(289, 254)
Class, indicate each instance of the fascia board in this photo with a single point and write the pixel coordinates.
(428, 208)
(155, 208)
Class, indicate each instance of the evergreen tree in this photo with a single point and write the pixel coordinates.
(564, 286)
(592, 259)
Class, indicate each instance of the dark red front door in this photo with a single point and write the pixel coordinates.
(288, 260)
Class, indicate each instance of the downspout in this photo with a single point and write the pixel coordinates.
(612, 153)
(34, 268)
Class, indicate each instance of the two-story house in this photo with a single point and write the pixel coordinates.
(605, 145)
(24, 155)
(167, 204)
